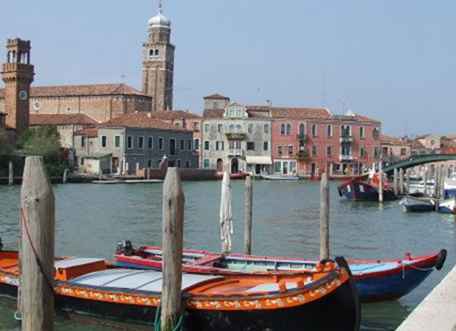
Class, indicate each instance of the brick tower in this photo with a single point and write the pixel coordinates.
(158, 63)
(17, 74)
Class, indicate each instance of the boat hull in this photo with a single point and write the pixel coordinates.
(417, 205)
(447, 206)
(362, 191)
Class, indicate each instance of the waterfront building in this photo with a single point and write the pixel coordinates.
(303, 141)
(136, 141)
(67, 125)
(394, 149)
(235, 138)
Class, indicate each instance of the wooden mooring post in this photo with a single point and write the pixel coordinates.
(172, 241)
(437, 182)
(324, 217)
(443, 176)
(401, 181)
(407, 178)
(380, 182)
(37, 248)
(395, 180)
(426, 172)
(10, 173)
(65, 176)
(248, 215)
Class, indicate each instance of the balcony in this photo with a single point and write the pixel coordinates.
(345, 157)
(346, 139)
(236, 135)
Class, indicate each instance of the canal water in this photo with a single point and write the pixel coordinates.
(91, 219)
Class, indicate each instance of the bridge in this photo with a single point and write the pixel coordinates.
(418, 160)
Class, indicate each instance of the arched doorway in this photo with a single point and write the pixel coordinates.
(219, 165)
(234, 166)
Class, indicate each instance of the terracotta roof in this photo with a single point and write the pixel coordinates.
(61, 119)
(299, 113)
(141, 120)
(216, 96)
(81, 90)
(355, 118)
(89, 132)
(390, 140)
(174, 115)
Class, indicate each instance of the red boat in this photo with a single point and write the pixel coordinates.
(376, 280)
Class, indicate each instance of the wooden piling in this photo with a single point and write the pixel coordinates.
(437, 182)
(37, 247)
(172, 241)
(426, 171)
(10, 173)
(443, 175)
(324, 217)
(380, 183)
(248, 213)
(395, 188)
(401, 181)
(65, 176)
(408, 181)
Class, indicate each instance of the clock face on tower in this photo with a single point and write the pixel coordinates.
(23, 95)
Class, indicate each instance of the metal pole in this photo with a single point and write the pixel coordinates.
(248, 210)
(380, 184)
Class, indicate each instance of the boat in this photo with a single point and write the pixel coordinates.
(376, 280)
(449, 188)
(280, 177)
(358, 189)
(323, 300)
(447, 206)
(237, 175)
(417, 204)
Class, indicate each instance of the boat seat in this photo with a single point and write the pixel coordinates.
(271, 287)
(208, 259)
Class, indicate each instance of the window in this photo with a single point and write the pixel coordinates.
(151, 53)
(161, 145)
(196, 144)
(206, 163)
(377, 152)
(220, 127)
(266, 128)
(345, 131)
(189, 145)
(403, 151)
(314, 130)
(187, 164)
(265, 146)
(290, 149)
(103, 141)
(179, 163)
(206, 127)
(157, 52)
(302, 129)
(278, 167)
(288, 129)
(329, 130)
(172, 146)
(314, 150)
(195, 126)
(206, 145)
(362, 152)
(149, 163)
(150, 142)
(362, 132)
(250, 128)
(238, 127)
(129, 142)
(279, 150)
(328, 150)
(376, 133)
(231, 127)
(117, 141)
(83, 141)
(217, 145)
(250, 146)
(282, 130)
(141, 142)
(182, 145)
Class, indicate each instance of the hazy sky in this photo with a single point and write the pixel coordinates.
(392, 60)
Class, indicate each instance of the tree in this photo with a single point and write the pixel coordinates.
(44, 141)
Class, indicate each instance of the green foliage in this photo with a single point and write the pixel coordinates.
(44, 141)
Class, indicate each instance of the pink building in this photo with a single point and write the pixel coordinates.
(306, 141)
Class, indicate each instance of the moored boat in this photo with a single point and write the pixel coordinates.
(323, 300)
(447, 206)
(376, 280)
(280, 177)
(414, 204)
(360, 190)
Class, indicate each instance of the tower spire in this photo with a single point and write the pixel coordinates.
(160, 6)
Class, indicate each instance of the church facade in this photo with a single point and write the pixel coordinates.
(101, 102)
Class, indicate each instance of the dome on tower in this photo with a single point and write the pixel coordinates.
(159, 21)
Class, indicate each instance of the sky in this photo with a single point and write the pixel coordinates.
(394, 61)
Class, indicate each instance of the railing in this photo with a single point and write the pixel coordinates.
(346, 139)
(345, 157)
(236, 135)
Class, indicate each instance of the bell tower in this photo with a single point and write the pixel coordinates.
(158, 63)
(17, 73)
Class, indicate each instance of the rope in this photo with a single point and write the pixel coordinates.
(38, 261)
(157, 321)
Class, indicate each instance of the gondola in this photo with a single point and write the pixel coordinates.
(322, 300)
(376, 280)
(417, 205)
